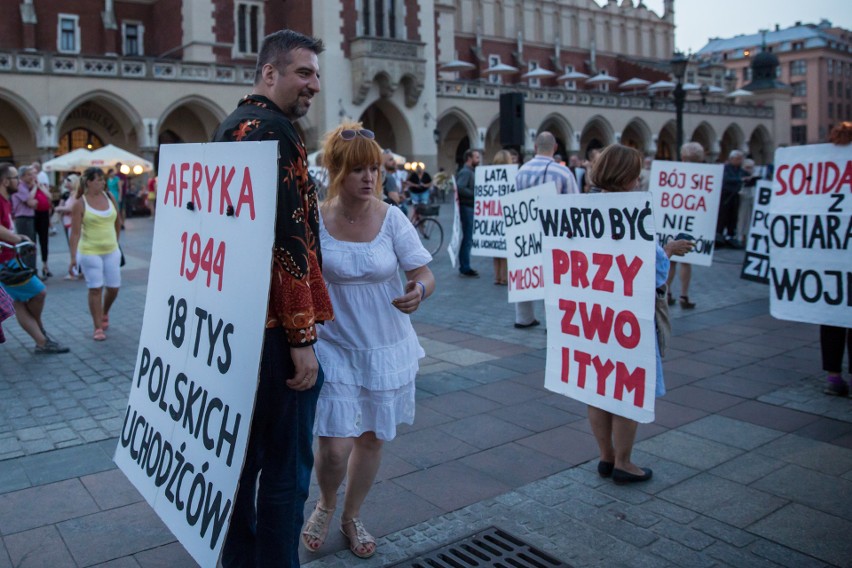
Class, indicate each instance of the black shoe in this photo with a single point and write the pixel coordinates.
(620, 477)
(670, 299)
(469, 272)
(735, 244)
(686, 304)
(836, 387)
(605, 468)
(533, 323)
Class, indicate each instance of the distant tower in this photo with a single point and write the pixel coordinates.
(668, 10)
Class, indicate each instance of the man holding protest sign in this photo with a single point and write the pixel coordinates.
(541, 169)
(465, 183)
(280, 444)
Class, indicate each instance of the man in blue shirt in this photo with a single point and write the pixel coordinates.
(541, 169)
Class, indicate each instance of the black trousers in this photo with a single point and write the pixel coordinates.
(42, 229)
(727, 220)
(831, 341)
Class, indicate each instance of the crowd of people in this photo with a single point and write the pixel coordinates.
(337, 262)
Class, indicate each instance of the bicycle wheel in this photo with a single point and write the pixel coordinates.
(431, 234)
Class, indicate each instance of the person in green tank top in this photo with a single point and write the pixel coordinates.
(95, 227)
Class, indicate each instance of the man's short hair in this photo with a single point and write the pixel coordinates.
(4, 170)
(276, 48)
(468, 154)
(692, 152)
(24, 170)
(736, 154)
(545, 143)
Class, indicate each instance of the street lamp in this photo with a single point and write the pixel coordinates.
(679, 64)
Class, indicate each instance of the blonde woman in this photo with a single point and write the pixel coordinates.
(95, 226)
(369, 352)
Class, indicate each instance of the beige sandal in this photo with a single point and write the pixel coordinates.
(362, 538)
(317, 527)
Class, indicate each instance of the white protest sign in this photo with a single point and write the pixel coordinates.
(523, 242)
(187, 423)
(810, 230)
(454, 246)
(491, 184)
(756, 260)
(686, 200)
(599, 270)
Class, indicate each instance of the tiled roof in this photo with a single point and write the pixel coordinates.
(810, 34)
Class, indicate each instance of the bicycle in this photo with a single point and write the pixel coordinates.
(428, 228)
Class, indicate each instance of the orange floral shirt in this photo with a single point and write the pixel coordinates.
(298, 298)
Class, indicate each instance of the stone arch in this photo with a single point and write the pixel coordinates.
(492, 140)
(637, 134)
(597, 133)
(390, 124)
(19, 125)
(559, 126)
(732, 139)
(110, 117)
(760, 146)
(192, 119)
(457, 134)
(667, 142)
(706, 136)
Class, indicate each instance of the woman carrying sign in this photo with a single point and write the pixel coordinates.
(617, 169)
(369, 352)
(95, 226)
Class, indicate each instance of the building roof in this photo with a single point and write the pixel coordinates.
(813, 35)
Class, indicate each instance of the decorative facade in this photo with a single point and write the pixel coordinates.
(140, 73)
(815, 61)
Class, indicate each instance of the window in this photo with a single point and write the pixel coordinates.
(798, 67)
(800, 89)
(570, 85)
(78, 138)
(829, 65)
(830, 110)
(132, 33)
(532, 66)
(494, 61)
(831, 88)
(379, 18)
(746, 74)
(799, 134)
(799, 111)
(68, 34)
(249, 16)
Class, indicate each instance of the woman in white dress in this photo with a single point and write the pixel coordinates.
(370, 352)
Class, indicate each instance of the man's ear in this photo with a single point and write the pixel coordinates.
(267, 73)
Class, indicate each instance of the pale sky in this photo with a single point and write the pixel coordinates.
(698, 20)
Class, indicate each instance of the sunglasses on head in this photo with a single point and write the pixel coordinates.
(350, 134)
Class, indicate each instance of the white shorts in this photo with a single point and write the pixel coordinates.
(102, 269)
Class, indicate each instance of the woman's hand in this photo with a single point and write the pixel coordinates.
(410, 301)
(678, 248)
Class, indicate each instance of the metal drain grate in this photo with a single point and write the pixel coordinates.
(492, 547)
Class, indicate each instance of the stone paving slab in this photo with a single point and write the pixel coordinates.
(742, 424)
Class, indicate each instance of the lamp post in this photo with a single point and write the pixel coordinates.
(679, 64)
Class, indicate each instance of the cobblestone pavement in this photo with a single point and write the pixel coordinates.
(753, 464)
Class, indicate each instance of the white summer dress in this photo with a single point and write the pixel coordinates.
(369, 353)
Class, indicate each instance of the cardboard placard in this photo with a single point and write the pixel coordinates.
(186, 428)
(523, 242)
(810, 232)
(756, 260)
(599, 268)
(491, 184)
(686, 200)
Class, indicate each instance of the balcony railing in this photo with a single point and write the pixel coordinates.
(123, 67)
(557, 96)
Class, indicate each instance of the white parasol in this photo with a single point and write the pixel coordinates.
(69, 162)
(501, 69)
(456, 65)
(539, 73)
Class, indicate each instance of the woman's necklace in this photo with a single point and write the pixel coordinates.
(353, 220)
